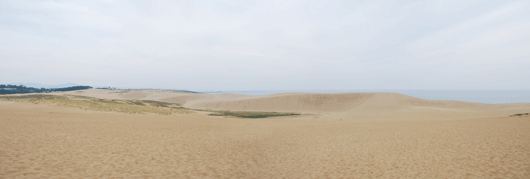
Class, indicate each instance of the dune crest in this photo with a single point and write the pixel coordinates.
(358, 106)
(298, 102)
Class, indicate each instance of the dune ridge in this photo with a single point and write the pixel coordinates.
(348, 106)
(365, 106)
(298, 102)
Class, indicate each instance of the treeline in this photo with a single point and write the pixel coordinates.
(14, 89)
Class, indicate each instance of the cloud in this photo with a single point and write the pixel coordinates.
(236, 45)
(493, 29)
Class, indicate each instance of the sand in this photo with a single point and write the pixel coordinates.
(381, 135)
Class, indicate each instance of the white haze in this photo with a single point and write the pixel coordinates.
(267, 45)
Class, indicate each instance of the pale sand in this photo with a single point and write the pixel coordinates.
(382, 135)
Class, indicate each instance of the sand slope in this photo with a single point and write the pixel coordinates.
(382, 135)
(294, 102)
(40, 141)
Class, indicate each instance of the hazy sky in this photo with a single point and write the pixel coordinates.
(267, 45)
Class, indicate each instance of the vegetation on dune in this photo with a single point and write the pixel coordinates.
(31, 97)
(158, 103)
(131, 106)
(519, 114)
(96, 104)
(250, 114)
(136, 102)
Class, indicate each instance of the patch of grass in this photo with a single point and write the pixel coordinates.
(180, 110)
(159, 103)
(249, 114)
(80, 97)
(205, 110)
(110, 101)
(32, 97)
(136, 102)
(519, 114)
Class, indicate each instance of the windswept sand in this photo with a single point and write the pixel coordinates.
(381, 135)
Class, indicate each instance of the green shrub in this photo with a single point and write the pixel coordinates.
(519, 114)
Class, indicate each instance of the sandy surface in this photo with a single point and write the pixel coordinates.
(382, 135)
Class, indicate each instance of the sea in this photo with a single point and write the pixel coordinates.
(480, 96)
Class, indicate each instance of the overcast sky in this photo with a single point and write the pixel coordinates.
(267, 45)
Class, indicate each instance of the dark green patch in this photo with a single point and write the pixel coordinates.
(519, 114)
(248, 114)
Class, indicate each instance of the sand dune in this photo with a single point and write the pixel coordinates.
(365, 106)
(347, 106)
(302, 102)
(349, 103)
(382, 135)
